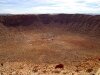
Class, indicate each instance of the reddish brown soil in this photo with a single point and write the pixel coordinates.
(47, 41)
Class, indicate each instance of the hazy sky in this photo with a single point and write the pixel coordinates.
(49, 6)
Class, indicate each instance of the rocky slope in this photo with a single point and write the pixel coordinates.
(88, 24)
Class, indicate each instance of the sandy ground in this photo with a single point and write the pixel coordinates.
(34, 52)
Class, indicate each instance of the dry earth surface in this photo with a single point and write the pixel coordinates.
(48, 50)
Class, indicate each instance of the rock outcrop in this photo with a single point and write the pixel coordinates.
(85, 24)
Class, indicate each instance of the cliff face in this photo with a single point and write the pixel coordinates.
(88, 24)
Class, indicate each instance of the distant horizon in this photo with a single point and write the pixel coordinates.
(47, 13)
